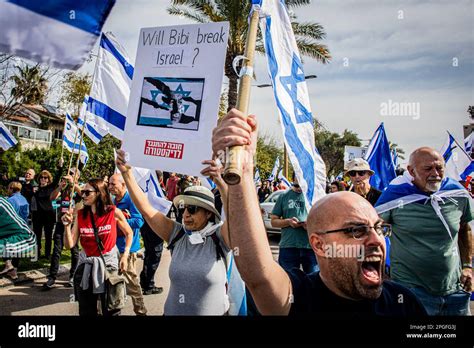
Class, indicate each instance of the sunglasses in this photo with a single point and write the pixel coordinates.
(44, 177)
(357, 172)
(192, 209)
(296, 186)
(86, 192)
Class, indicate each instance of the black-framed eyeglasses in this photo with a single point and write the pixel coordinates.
(192, 209)
(86, 192)
(357, 172)
(362, 231)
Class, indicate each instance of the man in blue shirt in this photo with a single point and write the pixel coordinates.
(123, 201)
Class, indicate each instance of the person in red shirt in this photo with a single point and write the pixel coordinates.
(89, 279)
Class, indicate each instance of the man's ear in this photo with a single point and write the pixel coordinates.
(411, 170)
(317, 244)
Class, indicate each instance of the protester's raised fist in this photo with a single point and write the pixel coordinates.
(121, 162)
(67, 218)
(235, 129)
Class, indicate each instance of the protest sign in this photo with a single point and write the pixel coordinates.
(352, 152)
(175, 96)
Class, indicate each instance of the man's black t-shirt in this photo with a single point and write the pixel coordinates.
(372, 196)
(310, 295)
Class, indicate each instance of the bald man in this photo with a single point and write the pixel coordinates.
(345, 233)
(431, 240)
(123, 201)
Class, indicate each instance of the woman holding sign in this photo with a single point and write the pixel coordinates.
(199, 246)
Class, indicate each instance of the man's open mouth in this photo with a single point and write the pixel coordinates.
(372, 269)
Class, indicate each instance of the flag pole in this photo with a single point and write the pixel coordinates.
(61, 160)
(76, 177)
(72, 153)
(233, 165)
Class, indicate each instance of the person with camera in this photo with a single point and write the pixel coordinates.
(63, 191)
(95, 226)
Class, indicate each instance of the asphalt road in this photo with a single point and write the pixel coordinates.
(31, 299)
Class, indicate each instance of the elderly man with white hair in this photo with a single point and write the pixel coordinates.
(431, 240)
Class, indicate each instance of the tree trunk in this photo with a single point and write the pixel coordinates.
(232, 91)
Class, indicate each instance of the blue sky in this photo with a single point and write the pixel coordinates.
(383, 50)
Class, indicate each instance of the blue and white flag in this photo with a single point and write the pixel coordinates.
(256, 178)
(7, 140)
(156, 197)
(275, 169)
(236, 293)
(459, 164)
(468, 143)
(71, 133)
(92, 129)
(58, 33)
(380, 160)
(207, 182)
(110, 91)
(283, 179)
(291, 95)
(395, 158)
(401, 192)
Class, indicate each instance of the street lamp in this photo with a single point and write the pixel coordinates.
(308, 77)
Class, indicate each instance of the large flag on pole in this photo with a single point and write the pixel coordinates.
(58, 33)
(274, 173)
(380, 160)
(92, 129)
(256, 177)
(7, 140)
(459, 165)
(110, 91)
(69, 134)
(291, 95)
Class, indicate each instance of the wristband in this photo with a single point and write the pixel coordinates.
(467, 265)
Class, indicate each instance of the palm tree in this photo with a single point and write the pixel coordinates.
(30, 85)
(236, 13)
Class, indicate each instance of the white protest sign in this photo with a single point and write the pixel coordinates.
(352, 152)
(175, 96)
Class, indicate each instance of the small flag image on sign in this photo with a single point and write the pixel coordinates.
(171, 102)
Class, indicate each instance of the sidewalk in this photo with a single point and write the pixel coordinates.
(32, 275)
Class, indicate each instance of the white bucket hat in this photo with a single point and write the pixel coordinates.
(199, 196)
(358, 164)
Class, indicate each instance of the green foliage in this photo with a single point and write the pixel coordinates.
(331, 147)
(30, 85)
(101, 158)
(74, 87)
(267, 152)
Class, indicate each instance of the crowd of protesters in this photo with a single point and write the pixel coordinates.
(415, 237)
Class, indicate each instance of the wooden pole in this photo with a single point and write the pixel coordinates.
(285, 162)
(76, 177)
(233, 166)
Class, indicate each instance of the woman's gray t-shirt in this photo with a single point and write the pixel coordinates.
(197, 279)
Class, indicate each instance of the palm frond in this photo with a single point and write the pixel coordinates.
(314, 50)
(296, 3)
(183, 11)
(313, 31)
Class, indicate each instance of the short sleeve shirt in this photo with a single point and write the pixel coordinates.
(292, 204)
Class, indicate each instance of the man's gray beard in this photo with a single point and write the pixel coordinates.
(433, 187)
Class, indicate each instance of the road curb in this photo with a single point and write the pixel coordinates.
(31, 276)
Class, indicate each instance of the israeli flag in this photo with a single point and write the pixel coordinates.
(395, 158)
(92, 128)
(155, 194)
(459, 164)
(285, 181)
(380, 160)
(236, 286)
(256, 177)
(468, 143)
(69, 134)
(274, 173)
(58, 33)
(291, 95)
(110, 91)
(7, 140)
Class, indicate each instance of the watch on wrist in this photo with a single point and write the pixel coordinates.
(467, 265)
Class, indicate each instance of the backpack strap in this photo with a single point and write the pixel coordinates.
(180, 235)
